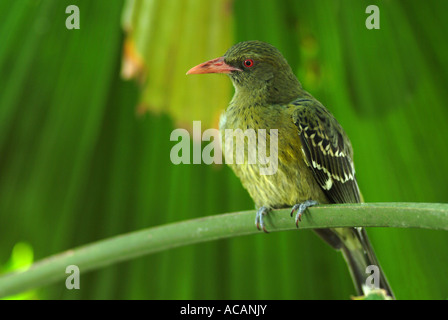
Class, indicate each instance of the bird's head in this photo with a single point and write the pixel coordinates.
(258, 71)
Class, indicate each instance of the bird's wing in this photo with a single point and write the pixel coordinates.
(327, 150)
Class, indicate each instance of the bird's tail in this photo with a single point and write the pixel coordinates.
(360, 257)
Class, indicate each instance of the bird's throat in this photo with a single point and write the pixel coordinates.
(272, 92)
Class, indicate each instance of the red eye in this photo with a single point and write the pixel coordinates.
(248, 63)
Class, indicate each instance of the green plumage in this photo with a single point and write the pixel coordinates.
(293, 182)
(315, 156)
(314, 153)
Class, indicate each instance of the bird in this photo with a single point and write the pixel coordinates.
(314, 153)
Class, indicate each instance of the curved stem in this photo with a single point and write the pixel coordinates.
(127, 246)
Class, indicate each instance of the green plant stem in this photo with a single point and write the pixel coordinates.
(127, 246)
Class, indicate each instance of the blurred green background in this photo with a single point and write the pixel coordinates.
(86, 116)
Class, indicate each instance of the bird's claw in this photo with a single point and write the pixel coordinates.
(300, 208)
(259, 218)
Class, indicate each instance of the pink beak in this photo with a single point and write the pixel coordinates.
(213, 66)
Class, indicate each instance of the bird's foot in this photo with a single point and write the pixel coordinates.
(300, 208)
(259, 218)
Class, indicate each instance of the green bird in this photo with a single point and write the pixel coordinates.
(315, 156)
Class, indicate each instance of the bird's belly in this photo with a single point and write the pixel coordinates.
(290, 183)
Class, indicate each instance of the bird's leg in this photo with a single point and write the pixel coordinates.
(300, 208)
(259, 218)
